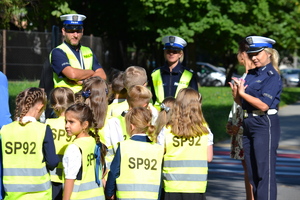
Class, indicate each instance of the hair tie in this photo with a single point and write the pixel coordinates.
(106, 90)
(86, 94)
(164, 107)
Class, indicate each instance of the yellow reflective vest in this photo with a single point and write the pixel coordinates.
(140, 170)
(61, 141)
(87, 56)
(25, 175)
(185, 163)
(158, 85)
(87, 188)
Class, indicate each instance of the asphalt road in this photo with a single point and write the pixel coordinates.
(225, 179)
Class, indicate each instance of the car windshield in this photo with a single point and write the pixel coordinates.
(291, 71)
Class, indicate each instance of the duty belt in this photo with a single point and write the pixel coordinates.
(259, 112)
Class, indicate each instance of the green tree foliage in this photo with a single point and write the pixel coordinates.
(132, 29)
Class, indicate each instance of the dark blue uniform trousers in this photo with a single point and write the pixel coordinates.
(260, 140)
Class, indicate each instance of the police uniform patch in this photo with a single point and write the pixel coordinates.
(268, 95)
(270, 73)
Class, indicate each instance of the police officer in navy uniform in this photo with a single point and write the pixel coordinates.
(170, 78)
(259, 95)
(72, 62)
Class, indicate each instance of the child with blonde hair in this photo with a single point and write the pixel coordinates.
(60, 99)
(133, 75)
(137, 173)
(28, 149)
(188, 148)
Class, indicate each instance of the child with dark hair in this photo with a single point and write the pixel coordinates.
(79, 161)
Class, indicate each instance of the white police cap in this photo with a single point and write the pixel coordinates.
(259, 43)
(72, 19)
(173, 42)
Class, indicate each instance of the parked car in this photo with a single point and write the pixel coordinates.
(290, 77)
(210, 75)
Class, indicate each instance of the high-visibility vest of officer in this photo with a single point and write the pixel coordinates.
(173, 76)
(72, 62)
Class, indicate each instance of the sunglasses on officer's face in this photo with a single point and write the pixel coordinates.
(168, 51)
(74, 30)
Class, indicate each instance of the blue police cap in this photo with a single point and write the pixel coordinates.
(174, 42)
(259, 43)
(73, 20)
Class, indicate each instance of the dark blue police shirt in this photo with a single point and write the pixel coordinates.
(171, 79)
(263, 83)
(59, 59)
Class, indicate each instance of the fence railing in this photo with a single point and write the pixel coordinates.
(23, 53)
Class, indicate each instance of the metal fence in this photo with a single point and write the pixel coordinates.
(23, 53)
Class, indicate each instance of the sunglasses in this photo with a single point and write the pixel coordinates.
(168, 51)
(73, 30)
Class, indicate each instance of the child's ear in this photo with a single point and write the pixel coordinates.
(132, 127)
(85, 125)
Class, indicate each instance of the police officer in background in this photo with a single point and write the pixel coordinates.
(259, 95)
(72, 62)
(170, 78)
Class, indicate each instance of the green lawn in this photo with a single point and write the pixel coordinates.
(217, 102)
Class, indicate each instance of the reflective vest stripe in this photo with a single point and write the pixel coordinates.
(184, 81)
(185, 177)
(25, 172)
(56, 172)
(85, 186)
(158, 84)
(138, 187)
(185, 163)
(27, 188)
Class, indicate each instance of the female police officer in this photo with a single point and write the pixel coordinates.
(173, 76)
(259, 95)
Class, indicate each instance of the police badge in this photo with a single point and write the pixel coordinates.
(171, 40)
(75, 18)
(249, 40)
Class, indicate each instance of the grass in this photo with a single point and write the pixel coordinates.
(217, 102)
(15, 87)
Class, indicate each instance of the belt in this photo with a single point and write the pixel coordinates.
(259, 112)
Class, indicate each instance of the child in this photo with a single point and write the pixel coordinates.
(60, 99)
(118, 92)
(79, 160)
(187, 149)
(133, 75)
(28, 149)
(163, 118)
(137, 173)
(138, 96)
(95, 95)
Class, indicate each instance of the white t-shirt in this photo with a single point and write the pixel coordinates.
(72, 161)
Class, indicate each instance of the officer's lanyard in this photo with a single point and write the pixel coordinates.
(81, 60)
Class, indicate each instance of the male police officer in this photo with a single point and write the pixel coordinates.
(72, 62)
(173, 76)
